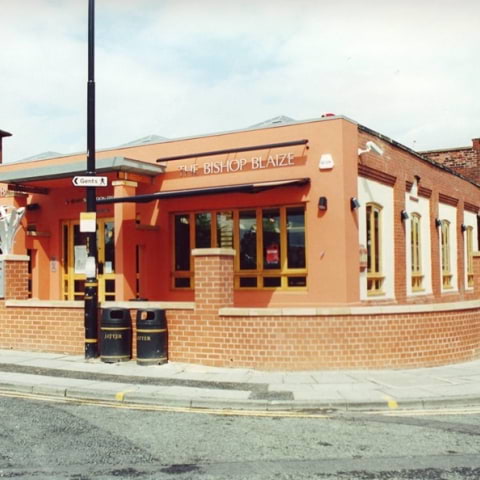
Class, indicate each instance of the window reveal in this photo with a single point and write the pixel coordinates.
(469, 234)
(445, 245)
(416, 259)
(375, 277)
(270, 245)
(182, 251)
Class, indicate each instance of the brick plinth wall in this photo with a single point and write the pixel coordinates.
(214, 333)
(330, 342)
(46, 329)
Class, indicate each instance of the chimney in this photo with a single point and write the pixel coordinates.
(3, 133)
(476, 144)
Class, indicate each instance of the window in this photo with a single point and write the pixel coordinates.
(196, 230)
(469, 254)
(445, 247)
(416, 258)
(374, 250)
(270, 245)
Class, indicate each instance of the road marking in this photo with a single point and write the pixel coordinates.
(120, 396)
(391, 402)
(474, 410)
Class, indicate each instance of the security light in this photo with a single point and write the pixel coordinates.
(354, 203)
(371, 146)
(322, 203)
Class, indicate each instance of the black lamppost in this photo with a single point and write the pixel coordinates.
(91, 284)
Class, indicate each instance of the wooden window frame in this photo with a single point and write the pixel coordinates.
(416, 253)
(375, 276)
(446, 255)
(469, 256)
(284, 273)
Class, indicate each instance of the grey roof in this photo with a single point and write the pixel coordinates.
(41, 156)
(69, 170)
(144, 141)
(279, 120)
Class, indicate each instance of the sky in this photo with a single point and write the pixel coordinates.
(176, 68)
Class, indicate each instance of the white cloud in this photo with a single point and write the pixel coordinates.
(183, 67)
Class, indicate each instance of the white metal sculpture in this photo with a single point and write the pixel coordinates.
(10, 218)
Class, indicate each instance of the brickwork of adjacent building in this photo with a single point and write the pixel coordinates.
(398, 168)
(463, 160)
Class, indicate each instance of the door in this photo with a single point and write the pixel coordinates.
(75, 255)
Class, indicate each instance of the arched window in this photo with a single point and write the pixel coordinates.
(446, 264)
(416, 251)
(469, 254)
(375, 276)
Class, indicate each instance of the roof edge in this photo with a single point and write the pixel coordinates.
(193, 137)
(416, 154)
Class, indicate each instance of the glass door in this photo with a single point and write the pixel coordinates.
(75, 256)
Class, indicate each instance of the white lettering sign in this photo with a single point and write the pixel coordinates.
(239, 164)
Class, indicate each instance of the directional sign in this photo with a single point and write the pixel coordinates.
(90, 181)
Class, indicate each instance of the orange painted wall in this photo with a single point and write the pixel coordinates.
(332, 236)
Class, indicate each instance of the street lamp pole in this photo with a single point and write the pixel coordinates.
(91, 283)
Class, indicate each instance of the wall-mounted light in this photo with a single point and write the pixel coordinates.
(438, 222)
(404, 215)
(322, 203)
(369, 147)
(463, 227)
(354, 203)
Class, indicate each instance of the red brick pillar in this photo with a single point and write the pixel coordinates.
(476, 274)
(15, 271)
(213, 278)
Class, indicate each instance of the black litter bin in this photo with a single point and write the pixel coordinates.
(115, 335)
(151, 336)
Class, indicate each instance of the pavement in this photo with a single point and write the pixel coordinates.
(195, 386)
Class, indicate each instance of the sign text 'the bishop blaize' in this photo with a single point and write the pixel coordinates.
(239, 164)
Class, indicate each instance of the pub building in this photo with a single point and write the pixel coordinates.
(291, 245)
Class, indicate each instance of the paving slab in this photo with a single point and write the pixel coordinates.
(209, 387)
(333, 377)
(294, 378)
(398, 379)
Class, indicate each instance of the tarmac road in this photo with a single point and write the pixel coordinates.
(46, 438)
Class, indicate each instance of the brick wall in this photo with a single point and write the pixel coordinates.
(326, 342)
(465, 160)
(264, 339)
(399, 167)
(58, 330)
(304, 342)
(16, 271)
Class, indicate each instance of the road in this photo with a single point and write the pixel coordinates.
(42, 439)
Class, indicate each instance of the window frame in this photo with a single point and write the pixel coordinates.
(283, 274)
(375, 276)
(416, 267)
(469, 256)
(445, 255)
